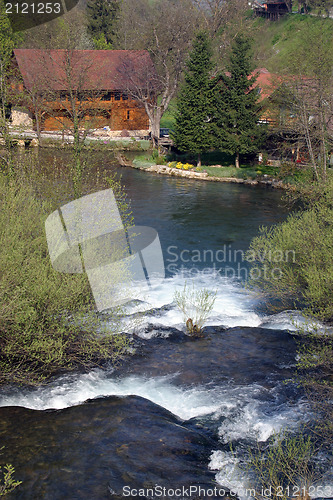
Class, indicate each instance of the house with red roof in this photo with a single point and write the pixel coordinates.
(271, 9)
(100, 84)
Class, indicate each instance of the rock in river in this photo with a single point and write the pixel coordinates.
(92, 451)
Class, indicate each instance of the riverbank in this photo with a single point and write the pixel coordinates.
(58, 139)
(204, 176)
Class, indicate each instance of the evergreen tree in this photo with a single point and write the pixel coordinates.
(193, 129)
(102, 15)
(8, 39)
(237, 110)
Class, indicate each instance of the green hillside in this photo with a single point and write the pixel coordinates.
(273, 39)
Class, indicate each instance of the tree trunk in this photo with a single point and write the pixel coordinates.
(308, 139)
(199, 160)
(305, 7)
(323, 151)
(37, 113)
(155, 116)
(289, 6)
(38, 126)
(237, 160)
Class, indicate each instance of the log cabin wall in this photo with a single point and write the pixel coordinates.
(102, 79)
(115, 110)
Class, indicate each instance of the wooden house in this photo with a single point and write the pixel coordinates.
(271, 9)
(295, 108)
(95, 89)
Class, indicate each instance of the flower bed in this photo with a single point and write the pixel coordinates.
(180, 165)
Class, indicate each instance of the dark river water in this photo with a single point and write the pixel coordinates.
(167, 416)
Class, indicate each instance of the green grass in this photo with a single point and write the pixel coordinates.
(273, 40)
(239, 173)
(143, 161)
(169, 118)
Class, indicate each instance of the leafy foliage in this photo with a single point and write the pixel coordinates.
(47, 318)
(298, 253)
(8, 39)
(8, 483)
(284, 468)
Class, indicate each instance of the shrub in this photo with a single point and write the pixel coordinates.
(196, 305)
(47, 318)
(8, 482)
(283, 469)
(160, 160)
(293, 261)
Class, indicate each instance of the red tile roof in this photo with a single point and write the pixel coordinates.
(90, 69)
(266, 82)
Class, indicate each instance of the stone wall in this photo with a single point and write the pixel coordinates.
(21, 118)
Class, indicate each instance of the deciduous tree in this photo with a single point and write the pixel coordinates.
(8, 40)
(158, 27)
(307, 100)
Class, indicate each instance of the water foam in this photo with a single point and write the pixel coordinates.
(239, 408)
(185, 403)
(233, 304)
(253, 422)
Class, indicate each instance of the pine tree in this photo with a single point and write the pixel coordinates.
(102, 15)
(193, 129)
(237, 110)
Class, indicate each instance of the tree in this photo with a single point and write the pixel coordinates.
(308, 75)
(142, 25)
(102, 15)
(217, 14)
(67, 31)
(8, 40)
(78, 102)
(237, 110)
(62, 86)
(193, 131)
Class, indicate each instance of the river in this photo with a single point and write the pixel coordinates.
(168, 416)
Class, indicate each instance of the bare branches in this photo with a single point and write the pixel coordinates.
(217, 14)
(159, 28)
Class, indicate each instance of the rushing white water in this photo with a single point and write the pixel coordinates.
(243, 414)
(234, 305)
(238, 413)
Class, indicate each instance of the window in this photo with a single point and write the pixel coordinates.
(128, 114)
(125, 96)
(106, 97)
(117, 96)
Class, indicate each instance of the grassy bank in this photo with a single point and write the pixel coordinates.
(218, 165)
